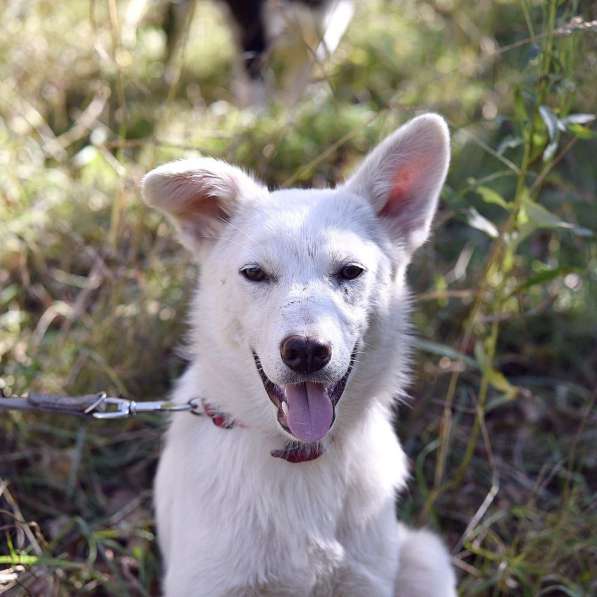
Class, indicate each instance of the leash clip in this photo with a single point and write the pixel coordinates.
(120, 408)
(116, 408)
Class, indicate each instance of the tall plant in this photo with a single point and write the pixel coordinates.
(546, 131)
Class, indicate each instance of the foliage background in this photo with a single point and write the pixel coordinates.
(93, 288)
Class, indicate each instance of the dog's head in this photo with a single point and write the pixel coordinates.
(302, 296)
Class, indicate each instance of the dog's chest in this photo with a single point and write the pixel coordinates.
(297, 522)
(290, 536)
(241, 520)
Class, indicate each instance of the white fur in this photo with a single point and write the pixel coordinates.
(232, 519)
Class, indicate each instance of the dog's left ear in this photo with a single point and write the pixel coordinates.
(403, 176)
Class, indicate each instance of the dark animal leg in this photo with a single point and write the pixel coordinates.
(253, 37)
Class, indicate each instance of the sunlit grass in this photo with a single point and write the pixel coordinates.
(94, 289)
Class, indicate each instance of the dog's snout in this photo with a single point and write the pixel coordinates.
(305, 355)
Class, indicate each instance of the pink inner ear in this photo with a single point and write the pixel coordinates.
(199, 204)
(209, 207)
(401, 192)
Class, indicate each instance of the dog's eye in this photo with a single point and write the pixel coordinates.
(254, 273)
(350, 271)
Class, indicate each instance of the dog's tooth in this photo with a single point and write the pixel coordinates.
(284, 407)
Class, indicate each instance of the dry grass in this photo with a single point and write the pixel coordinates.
(93, 288)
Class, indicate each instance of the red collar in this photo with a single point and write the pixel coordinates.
(299, 452)
(294, 451)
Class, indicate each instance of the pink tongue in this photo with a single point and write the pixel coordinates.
(310, 411)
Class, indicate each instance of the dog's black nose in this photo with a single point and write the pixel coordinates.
(305, 355)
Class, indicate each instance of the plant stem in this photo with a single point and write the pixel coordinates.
(496, 267)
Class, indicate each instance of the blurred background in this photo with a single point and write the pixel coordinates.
(501, 427)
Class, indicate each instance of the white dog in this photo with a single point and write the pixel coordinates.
(299, 346)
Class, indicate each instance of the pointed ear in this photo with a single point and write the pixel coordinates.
(402, 178)
(199, 195)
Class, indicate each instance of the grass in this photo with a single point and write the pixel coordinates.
(501, 429)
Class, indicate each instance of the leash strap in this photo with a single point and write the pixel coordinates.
(102, 406)
(97, 406)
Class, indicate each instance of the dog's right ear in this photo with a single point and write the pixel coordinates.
(199, 195)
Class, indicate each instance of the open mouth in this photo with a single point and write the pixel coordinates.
(306, 410)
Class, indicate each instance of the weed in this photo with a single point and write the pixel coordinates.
(93, 288)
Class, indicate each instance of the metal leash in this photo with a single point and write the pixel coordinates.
(97, 406)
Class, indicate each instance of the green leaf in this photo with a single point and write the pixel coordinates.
(480, 355)
(476, 220)
(498, 380)
(444, 351)
(542, 278)
(19, 559)
(495, 378)
(581, 132)
(550, 151)
(490, 196)
(29, 560)
(508, 142)
(520, 110)
(551, 122)
(8, 294)
(540, 217)
(553, 130)
(575, 119)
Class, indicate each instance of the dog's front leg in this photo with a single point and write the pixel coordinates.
(371, 556)
(356, 581)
